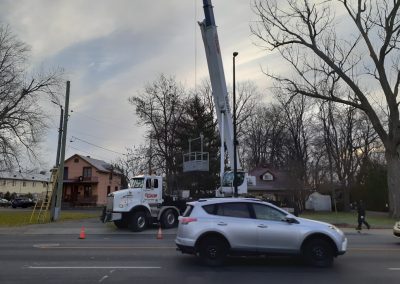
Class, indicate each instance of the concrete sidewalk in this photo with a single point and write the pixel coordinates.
(92, 226)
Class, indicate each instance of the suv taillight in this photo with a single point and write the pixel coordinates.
(187, 220)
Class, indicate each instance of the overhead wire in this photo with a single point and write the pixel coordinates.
(101, 147)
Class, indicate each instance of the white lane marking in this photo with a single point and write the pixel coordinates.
(394, 268)
(83, 247)
(46, 245)
(103, 278)
(94, 267)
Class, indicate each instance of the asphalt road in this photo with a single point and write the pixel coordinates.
(53, 253)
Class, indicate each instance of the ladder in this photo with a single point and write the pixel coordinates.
(42, 205)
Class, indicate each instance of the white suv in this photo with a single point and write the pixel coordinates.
(217, 227)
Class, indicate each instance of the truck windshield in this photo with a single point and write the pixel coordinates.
(137, 182)
(228, 178)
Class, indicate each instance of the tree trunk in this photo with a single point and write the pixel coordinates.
(393, 179)
(346, 198)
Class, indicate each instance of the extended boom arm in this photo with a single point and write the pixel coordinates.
(218, 84)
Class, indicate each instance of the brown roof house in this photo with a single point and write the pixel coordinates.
(87, 181)
(274, 185)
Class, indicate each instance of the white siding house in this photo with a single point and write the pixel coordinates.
(24, 183)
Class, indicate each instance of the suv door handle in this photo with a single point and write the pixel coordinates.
(262, 226)
(222, 224)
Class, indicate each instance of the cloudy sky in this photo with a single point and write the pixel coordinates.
(111, 49)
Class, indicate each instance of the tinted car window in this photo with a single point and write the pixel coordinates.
(239, 210)
(210, 209)
(266, 212)
(188, 211)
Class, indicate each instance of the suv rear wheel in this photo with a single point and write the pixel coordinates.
(319, 253)
(213, 251)
(137, 221)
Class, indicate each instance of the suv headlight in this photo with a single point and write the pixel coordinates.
(332, 227)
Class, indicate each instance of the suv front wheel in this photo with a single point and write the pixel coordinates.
(319, 253)
(213, 251)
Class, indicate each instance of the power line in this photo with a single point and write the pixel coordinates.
(84, 141)
(91, 154)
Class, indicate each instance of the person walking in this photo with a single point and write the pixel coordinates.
(361, 216)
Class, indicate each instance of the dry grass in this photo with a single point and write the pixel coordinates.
(21, 218)
(349, 219)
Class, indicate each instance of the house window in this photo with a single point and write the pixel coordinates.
(116, 188)
(65, 173)
(13, 183)
(33, 184)
(267, 176)
(4, 182)
(108, 189)
(76, 160)
(24, 183)
(110, 176)
(87, 172)
(87, 191)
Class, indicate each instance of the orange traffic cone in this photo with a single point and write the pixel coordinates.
(82, 234)
(159, 233)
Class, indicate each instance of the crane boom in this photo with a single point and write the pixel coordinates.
(221, 103)
(217, 77)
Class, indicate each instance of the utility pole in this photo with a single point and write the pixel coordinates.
(234, 129)
(60, 130)
(58, 199)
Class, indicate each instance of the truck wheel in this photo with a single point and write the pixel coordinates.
(122, 223)
(169, 219)
(319, 253)
(213, 251)
(137, 222)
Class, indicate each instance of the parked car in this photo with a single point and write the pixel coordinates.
(218, 227)
(4, 202)
(396, 229)
(22, 202)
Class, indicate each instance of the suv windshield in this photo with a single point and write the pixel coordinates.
(137, 182)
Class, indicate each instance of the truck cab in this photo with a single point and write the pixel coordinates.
(140, 205)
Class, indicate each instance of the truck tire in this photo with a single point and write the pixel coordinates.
(137, 221)
(169, 219)
(122, 223)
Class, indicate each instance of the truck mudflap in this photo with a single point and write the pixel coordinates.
(103, 214)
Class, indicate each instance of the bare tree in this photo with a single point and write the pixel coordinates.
(339, 140)
(247, 99)
(136, 161)
(160, 108)
(22, 119)
(297, 123)
(304, 32)
(266, 137)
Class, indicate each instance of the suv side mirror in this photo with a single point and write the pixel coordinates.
(290, 220)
